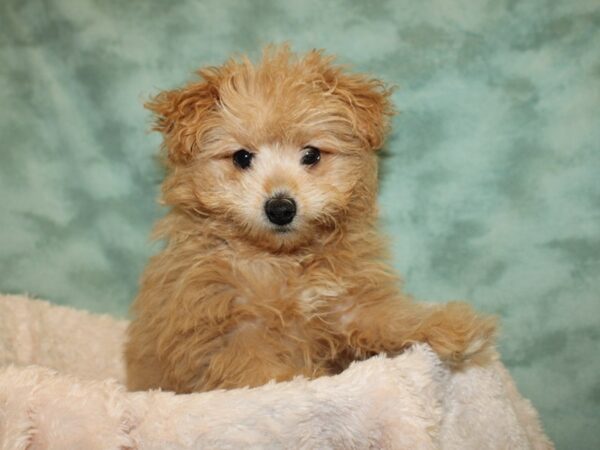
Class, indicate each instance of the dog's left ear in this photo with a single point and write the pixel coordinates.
(370, 103)
(182, 115)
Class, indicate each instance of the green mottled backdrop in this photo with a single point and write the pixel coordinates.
(491, 189)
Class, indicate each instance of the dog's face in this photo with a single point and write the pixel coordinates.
(277, 153)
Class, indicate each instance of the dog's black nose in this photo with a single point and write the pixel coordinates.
(280, 211)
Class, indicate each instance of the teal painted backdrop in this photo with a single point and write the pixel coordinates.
(491, 184)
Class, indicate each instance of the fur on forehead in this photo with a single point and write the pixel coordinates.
(284, 98)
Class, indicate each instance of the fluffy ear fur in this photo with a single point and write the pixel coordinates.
(367, 98)
(372, 106)
(182, 115)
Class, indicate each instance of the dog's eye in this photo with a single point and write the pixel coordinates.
(311, 156)
(242, 158)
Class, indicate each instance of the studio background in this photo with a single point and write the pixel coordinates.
(491, 180)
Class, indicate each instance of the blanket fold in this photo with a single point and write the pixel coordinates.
(61, 387)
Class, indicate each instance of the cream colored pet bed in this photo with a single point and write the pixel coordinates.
(61, 376)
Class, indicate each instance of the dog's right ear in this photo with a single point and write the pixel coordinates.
(182, 115)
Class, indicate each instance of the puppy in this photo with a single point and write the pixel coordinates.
(273, 266)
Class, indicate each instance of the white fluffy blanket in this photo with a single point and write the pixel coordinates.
(61, 378)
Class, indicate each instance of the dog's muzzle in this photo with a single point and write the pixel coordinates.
(280, 211)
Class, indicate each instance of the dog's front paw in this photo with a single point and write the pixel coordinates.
(461, 336)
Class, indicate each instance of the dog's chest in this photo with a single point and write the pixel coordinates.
(286, 285)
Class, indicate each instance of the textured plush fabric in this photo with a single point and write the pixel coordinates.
(490, 188)
(409, 402)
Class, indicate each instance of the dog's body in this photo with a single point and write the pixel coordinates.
(273, 266)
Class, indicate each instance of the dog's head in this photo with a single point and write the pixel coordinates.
(278, 153)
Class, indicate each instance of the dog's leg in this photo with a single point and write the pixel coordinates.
(454, 331)
(243, 357)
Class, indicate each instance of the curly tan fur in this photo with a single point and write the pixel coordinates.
(233, 302)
